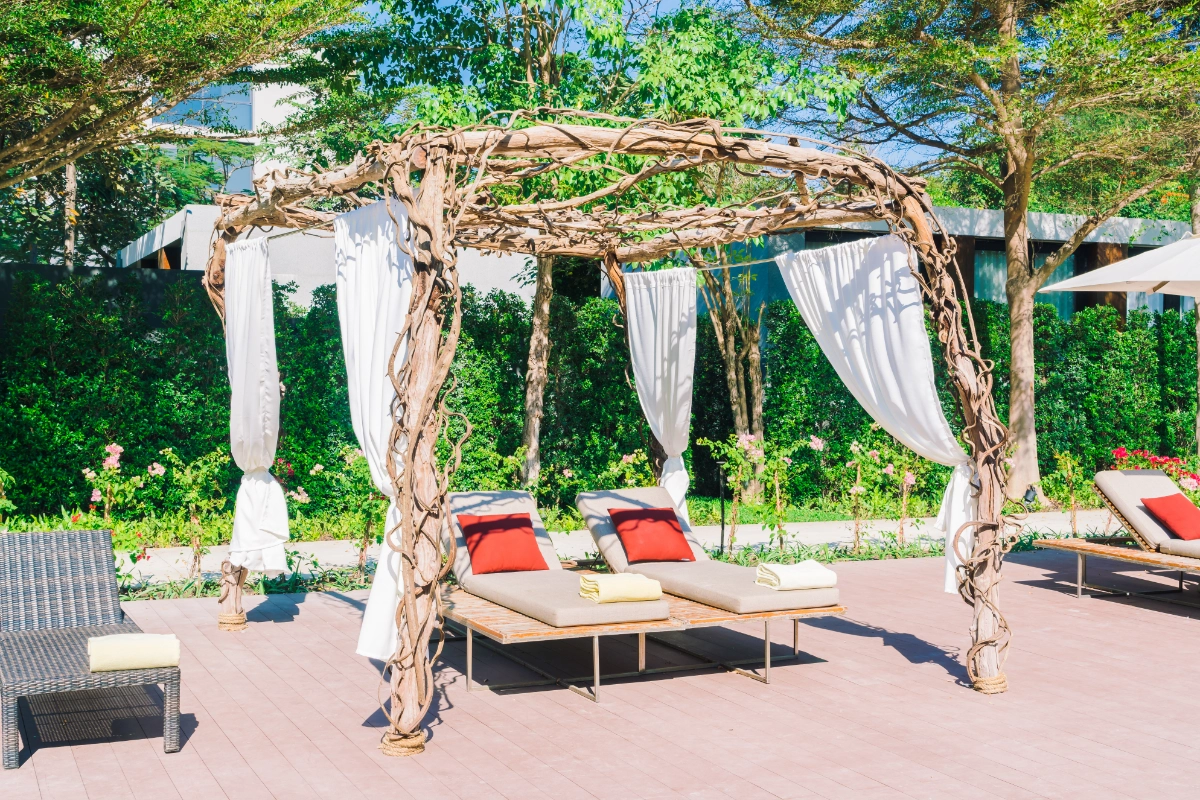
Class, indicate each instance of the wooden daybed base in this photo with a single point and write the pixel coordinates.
(504, 626)
(1083, 548)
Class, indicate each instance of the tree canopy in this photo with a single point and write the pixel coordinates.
(79, 76)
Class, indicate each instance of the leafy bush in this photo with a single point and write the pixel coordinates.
(85, 365)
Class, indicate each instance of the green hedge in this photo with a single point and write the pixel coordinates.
(84, 364)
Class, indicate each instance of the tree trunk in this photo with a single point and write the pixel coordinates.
(1196, 232)
(70, 218)
(536, 372)
(738, 340)
(1020, 287)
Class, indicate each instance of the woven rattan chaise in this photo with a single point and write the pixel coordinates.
(1156, 547)
(57, 590)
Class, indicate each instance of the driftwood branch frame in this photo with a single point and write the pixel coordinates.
(470, 187)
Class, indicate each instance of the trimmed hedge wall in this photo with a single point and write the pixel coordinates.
(84, 363)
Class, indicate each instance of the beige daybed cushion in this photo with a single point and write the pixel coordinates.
(1125, 489)
(728, 586)
(594, 506)
(550, 596)
(553, 598)
(714, 583)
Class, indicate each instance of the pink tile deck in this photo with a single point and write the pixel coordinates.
(1103, 704)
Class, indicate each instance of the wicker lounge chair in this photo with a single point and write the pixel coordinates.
(715, 583)
(57, 590)
(551, 595)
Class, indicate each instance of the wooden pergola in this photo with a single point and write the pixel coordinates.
(483, 186)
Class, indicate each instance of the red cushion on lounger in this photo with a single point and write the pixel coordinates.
(651, 534)
(1176, 513)
(501, 543)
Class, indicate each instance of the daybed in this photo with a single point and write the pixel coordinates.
(715, 583)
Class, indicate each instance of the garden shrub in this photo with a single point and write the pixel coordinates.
(85, 364)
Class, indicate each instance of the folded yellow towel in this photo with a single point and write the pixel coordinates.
(132, 651)
(626, 587)
(808, 574)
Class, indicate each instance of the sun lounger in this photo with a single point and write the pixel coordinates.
(551, 595)
(1157, 548)
(714, 583)
(57, 590)
(1122, 491)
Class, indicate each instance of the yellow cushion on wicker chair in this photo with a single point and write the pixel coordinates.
(132, 651)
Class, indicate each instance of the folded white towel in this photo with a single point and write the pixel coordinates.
(626, 587)
(808, 574)
(132, 651)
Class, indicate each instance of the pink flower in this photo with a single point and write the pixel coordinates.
(316, 468)
(757, 453)
(856, 489)
(568, 474)
(1189, 483)
(787, 461)
(112, 462)
(89, 475)
(889, 470)
(910, 479)
(156, 469)
(96, 496)
(746, 441)
(1120, 453)
(816, 443)
(874, 454)
(627, 459)
(114, 450)
(300, 496)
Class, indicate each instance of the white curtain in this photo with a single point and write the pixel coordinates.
(374, 288)
(260, 520)
(864, 307)
(661, 315)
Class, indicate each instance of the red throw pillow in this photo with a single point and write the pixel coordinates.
(1177, 514)
(501, 543)
(651, 534)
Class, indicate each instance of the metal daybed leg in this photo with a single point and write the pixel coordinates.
(470, 658)
(795, 637)
(1079, 573)
(596, 668)
(642, 650)
(766, 651)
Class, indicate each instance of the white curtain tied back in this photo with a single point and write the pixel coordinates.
(661, 314)
(374, 289)
(260, 520)
(865, 309)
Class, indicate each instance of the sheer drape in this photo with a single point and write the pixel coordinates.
(374, 288)
(661, 314)
(260, 520)
(864, 307)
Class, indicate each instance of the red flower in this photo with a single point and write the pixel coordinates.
(76, 517)
(1120, 453)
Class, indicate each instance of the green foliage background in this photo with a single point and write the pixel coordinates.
(85, 363)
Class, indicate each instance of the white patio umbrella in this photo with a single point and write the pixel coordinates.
(1172, 269)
